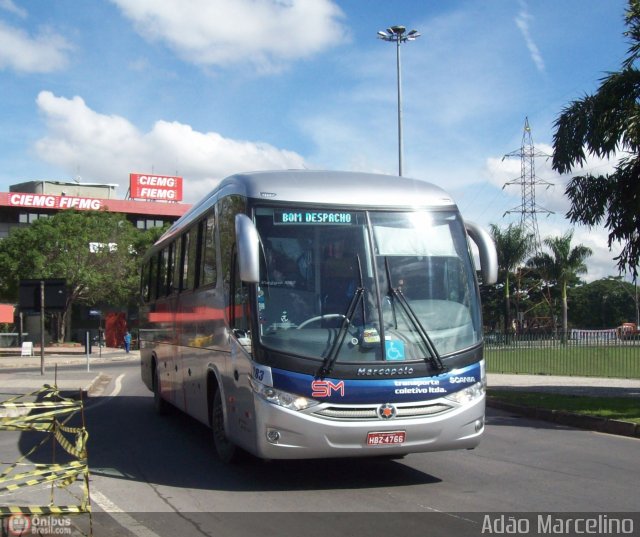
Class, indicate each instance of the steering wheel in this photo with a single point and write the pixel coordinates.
(322, 318)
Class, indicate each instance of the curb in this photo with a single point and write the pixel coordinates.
(592, 423)
(64, 360)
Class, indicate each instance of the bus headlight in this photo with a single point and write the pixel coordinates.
(281, 398)
(468, 394)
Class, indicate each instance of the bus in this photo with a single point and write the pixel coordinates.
(318, 314)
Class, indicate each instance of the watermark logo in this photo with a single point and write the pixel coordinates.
(557, 524)
(20, 525)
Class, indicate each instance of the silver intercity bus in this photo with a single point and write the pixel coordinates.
(305, 314)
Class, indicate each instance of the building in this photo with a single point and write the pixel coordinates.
(26, 202)
(157, 201)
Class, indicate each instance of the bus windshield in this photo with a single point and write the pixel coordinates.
(363, 286)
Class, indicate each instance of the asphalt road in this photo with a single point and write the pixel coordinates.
(157, 476)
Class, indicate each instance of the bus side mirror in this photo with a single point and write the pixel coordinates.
(248, 241)
(487, 252)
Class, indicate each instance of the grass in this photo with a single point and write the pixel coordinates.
(616, 408)
(587, 361)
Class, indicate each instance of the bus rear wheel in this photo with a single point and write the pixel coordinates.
(225, 449)
(159, 404)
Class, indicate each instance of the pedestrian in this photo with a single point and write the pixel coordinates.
(127, 341)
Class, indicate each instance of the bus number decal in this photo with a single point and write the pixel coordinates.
(262, 374)
(324, 388)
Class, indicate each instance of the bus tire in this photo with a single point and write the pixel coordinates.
(225, 449)
(159, 404)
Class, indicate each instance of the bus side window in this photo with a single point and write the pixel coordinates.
(144, 282)
(240, 301)
(153, 278)
(165, 272)
(177, 264)
(208, 269)
(170, 268)
(191, 261)
(227, 208)
(185, 261)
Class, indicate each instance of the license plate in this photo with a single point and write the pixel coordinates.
(387, 438)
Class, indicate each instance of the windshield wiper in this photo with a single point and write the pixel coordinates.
(332, 355)
(434, 356)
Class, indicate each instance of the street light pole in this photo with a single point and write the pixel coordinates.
(397, 34)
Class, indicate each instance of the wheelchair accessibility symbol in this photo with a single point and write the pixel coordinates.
(394, 349)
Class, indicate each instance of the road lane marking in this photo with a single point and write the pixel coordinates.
(122, 518)
(118, 387)
(116, 390)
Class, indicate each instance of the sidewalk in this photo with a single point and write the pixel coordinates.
(22, 373)
(583, 386)
(589, 386)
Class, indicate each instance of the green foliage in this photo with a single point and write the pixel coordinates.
(603, 125)
(605, 303)
(532, 289)
(615, 408)
(513, 246)
(561, 267)
(552, 357)
(564, 263)
(96, 252)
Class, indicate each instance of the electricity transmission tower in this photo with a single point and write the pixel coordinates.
(528, 182)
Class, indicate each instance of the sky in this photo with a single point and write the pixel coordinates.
(92, 91)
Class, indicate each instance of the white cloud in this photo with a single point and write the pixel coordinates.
(522, 21)
(107, 148)
(264, 33)
(9, 5)
(44, 53)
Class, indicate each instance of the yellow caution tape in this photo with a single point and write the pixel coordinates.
(45, 417)
(44, 510)
(41, 404)
(47, 391)
(79, 448)
(46, 473)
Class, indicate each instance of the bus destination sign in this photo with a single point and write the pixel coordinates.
(313, 217)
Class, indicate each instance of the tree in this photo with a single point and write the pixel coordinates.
(96, 252)
(604, 303)
(603, 125)
(561, 267)
(513, 246)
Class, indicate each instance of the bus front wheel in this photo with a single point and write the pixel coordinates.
(225, 449)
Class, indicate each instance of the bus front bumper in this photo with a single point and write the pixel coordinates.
(286, 434)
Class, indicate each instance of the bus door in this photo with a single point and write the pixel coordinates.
(205, 343)
(187, 369)
(163, 319)
(238, 393)
(239, 396)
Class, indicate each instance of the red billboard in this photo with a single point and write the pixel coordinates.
(155, 187)
(48, 201)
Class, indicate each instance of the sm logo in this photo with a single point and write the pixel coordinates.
(323, 388)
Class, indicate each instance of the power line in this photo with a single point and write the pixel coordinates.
(528, 208)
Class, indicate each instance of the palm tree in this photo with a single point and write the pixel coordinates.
(561, 266)
(604, 124)
(513, 246)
